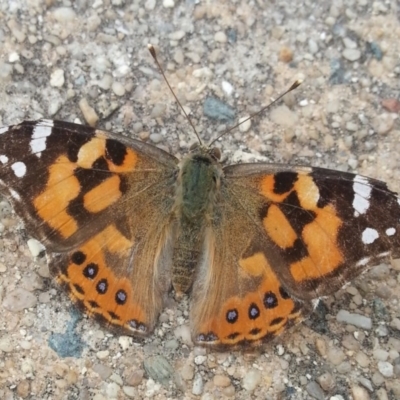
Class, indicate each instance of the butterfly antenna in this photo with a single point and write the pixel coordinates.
(295, 85)
(154, 55)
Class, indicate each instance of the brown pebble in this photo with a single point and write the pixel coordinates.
(285, 54)
(135, 378)
(392, 105)
(23, 389)
(221, 381)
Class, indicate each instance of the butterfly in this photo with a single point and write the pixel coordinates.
(254, 245)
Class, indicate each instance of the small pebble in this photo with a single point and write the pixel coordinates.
(392, 105)
(112, 390)
(187, 372)
(359, 393)
(57, 78)
(227, 87)
(23, 388)
(88, 112)
(198, 385)
(198, 360)
(118, 88)
(385, 368)
(354, 319)
(251, 380)
(6, 344)
(18, 300)
(130, 392)
(327, 382)
(182, 333)
(380, 355)
(158, 110)
(362, 359)
(283, 116)
(159, 369)
(220, 37)
(335, 355)
(246, 125)
(314, 390)
(102, 370)
(285, 55)
(101, 355)
(221, 381)
(64, 14)
(168, 3)
(35, 247)
(351, 54)
(383, 123)
(135, 377)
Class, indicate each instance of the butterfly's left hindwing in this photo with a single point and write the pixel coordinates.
(101, 205)
(282, 237)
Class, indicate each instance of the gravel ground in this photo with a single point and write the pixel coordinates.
(87, 61)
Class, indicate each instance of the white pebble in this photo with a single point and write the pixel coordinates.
(220, 37)
(198, 385)
(251, 380)
(227, 87)
(385, 368)
(64, 14)
(244, 125)
(124, 342)
(118, 88)
(354, 319)
(198, 360)
(102, 354)
(6, 344)
(351, 54)
(18, 300)
(182, 332)
(35, 247)
(57, 78)
(13, 57)
(349, 44)
(168, 3)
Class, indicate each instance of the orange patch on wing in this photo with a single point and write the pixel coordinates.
(278, 227)
(129, 164)
(112, 240)
(320, 237)
(103, 195)
(307, 192)
(115, 240)
(254, 265)
(271, 320)
(91, 151)
(267, 185)
(61, 188)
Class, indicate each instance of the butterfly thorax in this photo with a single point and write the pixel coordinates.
(198, 183)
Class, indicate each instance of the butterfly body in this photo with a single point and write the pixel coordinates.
(197, 191)
(253, 245)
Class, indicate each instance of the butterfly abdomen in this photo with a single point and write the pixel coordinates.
(198, 181)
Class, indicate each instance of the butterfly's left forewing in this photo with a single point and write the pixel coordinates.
(102, 205)
(281, 237)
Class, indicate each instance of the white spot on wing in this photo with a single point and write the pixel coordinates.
(369, 235)
(19, 169)
(39, 136)
(3, 159)
(15, 195)
(362, 193)
(4, 129)
(363, 261)
(390, 231)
